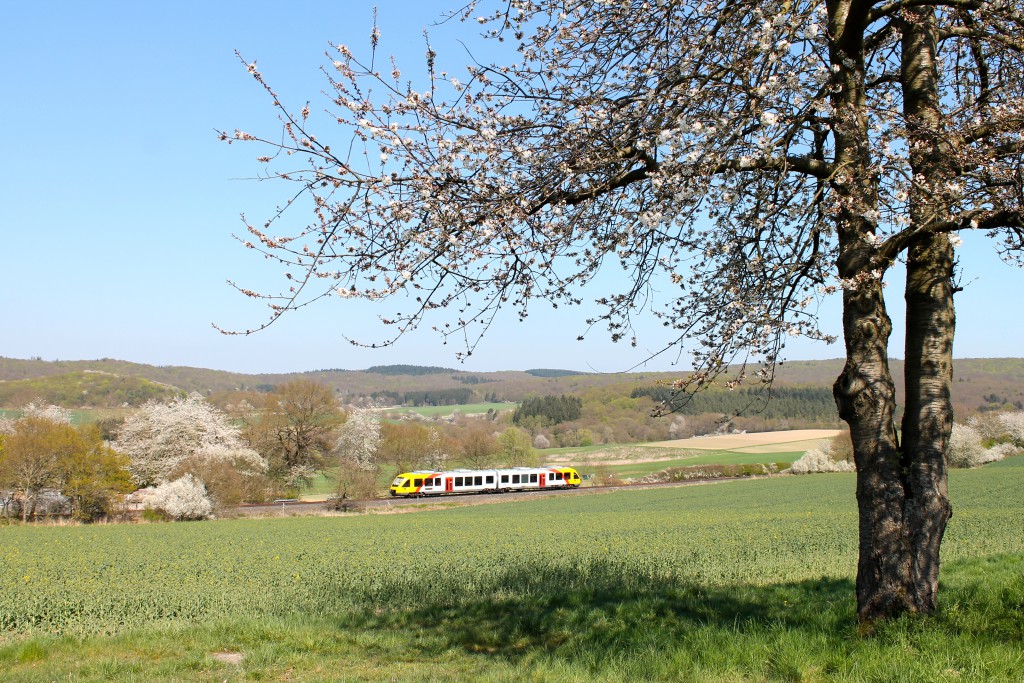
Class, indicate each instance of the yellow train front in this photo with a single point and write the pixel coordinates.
(432, 483)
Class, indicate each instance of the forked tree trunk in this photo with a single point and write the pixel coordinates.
(902, 498)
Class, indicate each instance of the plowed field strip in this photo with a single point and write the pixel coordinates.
(780, 441)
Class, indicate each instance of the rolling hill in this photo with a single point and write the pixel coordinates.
(979, 384)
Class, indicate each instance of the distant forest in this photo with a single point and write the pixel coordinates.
(408, 370)
(806, 403)
(552, 409)
(542, 372)
(438, 397)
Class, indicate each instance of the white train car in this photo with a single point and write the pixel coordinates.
(434, 483)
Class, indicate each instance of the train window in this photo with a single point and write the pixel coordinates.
(437, 481)
(504, 479)
(490, 478)
(558, 475)
(418, 482)
(458, 481)
(479, 481)
(533, 478)
(515, 478)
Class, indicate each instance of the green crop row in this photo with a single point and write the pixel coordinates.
(783, 530)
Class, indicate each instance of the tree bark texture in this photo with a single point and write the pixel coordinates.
(931, 321)
(902, 497)
(866, 397)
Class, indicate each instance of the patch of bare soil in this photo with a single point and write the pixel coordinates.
(731, 442)
(229, 657)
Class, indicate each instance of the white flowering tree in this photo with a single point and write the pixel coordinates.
(1013, 423)
(821, 459)
(437, 451)
(358, 448)
(359, 439)
(736, 160)
(48, 412)
(184, 498)
(160, 438)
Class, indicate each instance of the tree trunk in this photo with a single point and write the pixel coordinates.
(902, 494)
(928, 419)
(902, 497)
(866, 397)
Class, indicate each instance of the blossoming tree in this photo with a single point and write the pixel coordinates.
(745, 156)
(161, 438)
(359, 439)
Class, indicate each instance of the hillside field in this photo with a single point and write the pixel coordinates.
(448, 411)
(978, 384)
(738, 581)
(639, 460)
(755, 442)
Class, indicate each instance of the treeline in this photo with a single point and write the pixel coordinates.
(804, 403)
(437, 397)
(408, 370)
(553, 409)
(993, 402)
(546, 372)
(472, 379)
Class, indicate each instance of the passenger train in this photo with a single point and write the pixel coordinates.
(432, 483)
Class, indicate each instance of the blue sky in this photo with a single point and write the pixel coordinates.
(117, 202)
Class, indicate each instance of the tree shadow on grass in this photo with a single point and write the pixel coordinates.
(608, 612)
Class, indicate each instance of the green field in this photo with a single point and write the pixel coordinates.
(640, 469)
(445, 411)
(740, 581)
(78, 416)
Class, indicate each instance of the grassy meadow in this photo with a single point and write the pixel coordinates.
(641, 468)
(78, 417)
(447, 411)
(738, 581)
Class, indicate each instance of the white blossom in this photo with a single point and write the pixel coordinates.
(48, 412)
(966, 449)
(182, 499)
(821, 459)
(360, 438)
(158, 437)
